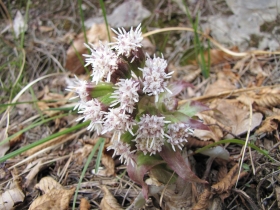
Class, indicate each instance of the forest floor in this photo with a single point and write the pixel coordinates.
(231, 63)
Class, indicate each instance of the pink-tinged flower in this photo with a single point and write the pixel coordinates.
(126, 94)
(92, 110)
(116, 120)
(124, 150)
(103, 61)
(178, 133)
(154, 76)
(150, 135)
(128, 41)
(81, 89)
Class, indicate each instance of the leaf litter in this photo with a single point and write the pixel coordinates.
(233, 84)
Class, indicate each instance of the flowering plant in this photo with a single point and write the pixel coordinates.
(131, 99)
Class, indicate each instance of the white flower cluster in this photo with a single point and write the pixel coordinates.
(155, 77)
(150, 135)
(178, 133)
(118, 116)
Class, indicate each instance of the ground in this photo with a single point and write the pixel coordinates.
(229, 60)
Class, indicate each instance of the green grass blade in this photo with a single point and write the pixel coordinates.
(100, 141)
(82, 20)
(101, 2)
(235, 141)
(30, 127)
(199, 48)
(41, 141)
(99, 155)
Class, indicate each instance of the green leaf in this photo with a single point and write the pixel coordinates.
(99, 155)
(102, 89)
(85, 169)
(106, 99)
(192, 108)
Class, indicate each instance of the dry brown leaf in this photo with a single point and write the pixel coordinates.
(108, 202)
(217, 56)
(219, 86)
(228, 181)
(266, 97)
(193, 142)
(11, 197)
(203, 200)
(55, 197)
(269, 125)
(224, 184)
(215, 122)
(109, 164)
(206, 135)
(97, 32)
(84, 204)
(47, 184)
(14, 195)
(82, 154)
(268, 100)
(238, 118)
(222, 172)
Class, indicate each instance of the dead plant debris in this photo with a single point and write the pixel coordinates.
(242, 92)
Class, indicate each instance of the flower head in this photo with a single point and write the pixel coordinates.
(126, 94)
(128, 41)
(123, 149)
(154, 76)
(116, 120)
(178, 133)
(103, 61)
(150, 135)
(92, 110)
(81, 89)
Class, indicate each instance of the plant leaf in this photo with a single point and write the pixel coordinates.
(136, 173)
(193, 107)
(177, 163)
